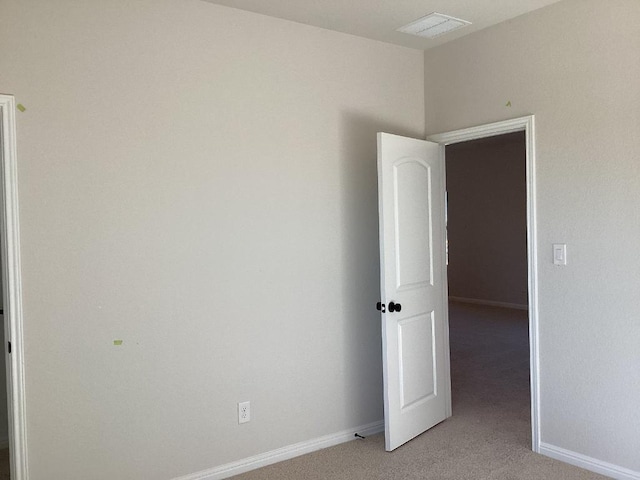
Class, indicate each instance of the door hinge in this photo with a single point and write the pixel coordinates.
(9, 346)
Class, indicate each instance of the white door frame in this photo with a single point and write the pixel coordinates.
(12, 285)
(526, 124)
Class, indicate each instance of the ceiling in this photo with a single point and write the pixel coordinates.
(379, 19)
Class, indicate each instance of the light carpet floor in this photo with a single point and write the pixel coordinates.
(489, 435)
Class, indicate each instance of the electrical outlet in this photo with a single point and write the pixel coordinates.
(244, 412)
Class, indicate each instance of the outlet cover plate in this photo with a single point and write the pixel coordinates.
(244, 412)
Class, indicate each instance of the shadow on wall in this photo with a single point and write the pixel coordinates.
(361, 262)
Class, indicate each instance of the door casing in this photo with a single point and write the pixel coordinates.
(526, 124)
(12, 289)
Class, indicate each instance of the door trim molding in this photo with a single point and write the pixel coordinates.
(285, 453)
(12, 284)
(588, 463)
(489, 303)
(526, 124)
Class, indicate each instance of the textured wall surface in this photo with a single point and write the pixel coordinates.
(575, 65)
(199, 182)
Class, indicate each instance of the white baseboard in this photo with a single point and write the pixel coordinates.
(491, 303)
(4, 442)
(284, 453)
(588, 463)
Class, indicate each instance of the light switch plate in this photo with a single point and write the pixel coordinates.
(559, 253)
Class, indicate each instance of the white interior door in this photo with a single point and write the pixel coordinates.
(415, 340)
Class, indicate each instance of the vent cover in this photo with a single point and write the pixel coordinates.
(432, 25)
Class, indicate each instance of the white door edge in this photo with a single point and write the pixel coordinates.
(12, 285)
(526, 124)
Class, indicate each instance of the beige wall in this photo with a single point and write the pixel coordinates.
(199, 182)
(575, 65)
(487, 219)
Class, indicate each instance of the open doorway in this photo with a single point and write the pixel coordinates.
(416, 363)
(488, 284)
(526, 125)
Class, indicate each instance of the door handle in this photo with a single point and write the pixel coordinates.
(394, 307)
(380, 306)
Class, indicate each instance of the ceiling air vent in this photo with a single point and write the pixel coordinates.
(433, 25)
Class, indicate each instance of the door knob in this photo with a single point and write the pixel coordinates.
(394, 307)
(380, 306)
